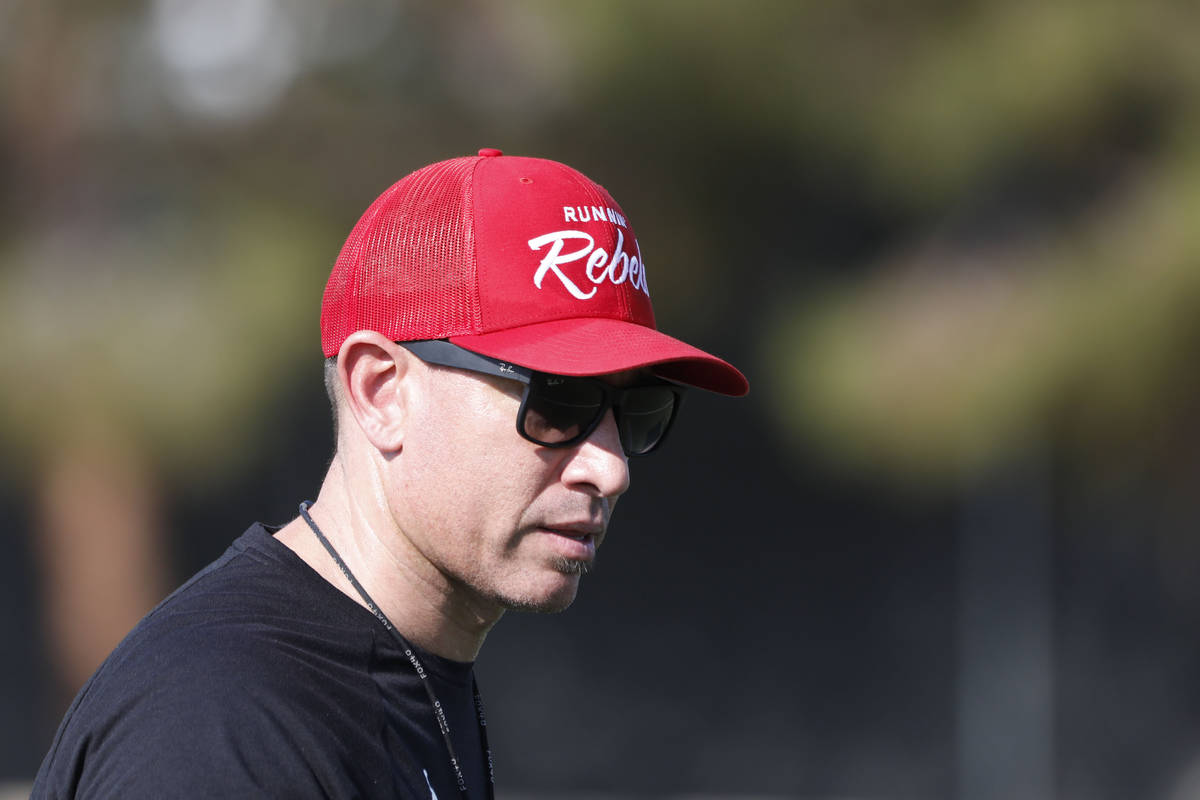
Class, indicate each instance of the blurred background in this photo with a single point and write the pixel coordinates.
(945, 549)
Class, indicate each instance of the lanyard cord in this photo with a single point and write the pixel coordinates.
(438, 712)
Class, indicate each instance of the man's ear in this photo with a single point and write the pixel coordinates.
(372, 370)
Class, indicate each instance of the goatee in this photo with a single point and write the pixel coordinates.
(571, 566)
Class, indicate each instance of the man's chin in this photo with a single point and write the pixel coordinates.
(551, 599)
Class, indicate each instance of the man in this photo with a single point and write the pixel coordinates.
(492, 362)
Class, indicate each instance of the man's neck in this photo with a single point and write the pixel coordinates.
(426, 608)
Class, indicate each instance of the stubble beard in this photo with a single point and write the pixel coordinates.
(571, 566)
(564, 566)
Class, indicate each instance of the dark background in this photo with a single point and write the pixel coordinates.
(945, 549)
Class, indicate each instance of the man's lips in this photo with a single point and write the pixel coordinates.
(576, 541)
(575, 531)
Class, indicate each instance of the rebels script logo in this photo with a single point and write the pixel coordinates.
(600, 266)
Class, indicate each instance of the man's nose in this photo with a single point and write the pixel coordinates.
(598, 462)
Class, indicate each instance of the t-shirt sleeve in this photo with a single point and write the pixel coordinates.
(187, 746)
(207, 718)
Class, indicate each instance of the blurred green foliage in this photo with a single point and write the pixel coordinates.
(970, 222)
(169, 332)
(1075, 324)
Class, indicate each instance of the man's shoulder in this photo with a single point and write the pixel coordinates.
(252, 662)
(255, 617)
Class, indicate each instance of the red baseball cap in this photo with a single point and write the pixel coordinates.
(521, 259)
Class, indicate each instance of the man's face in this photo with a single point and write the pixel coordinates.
(502, 518)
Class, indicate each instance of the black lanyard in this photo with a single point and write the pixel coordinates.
(438, 712)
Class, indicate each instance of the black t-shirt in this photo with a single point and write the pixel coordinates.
(258, 678)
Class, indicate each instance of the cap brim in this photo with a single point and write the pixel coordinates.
(597, 346)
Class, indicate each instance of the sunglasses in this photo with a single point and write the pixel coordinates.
(561, 411)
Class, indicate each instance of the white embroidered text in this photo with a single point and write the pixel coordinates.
(600, 267)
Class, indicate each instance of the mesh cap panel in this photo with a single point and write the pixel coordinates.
(407, 269)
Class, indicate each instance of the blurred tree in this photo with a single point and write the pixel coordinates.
(152, 321)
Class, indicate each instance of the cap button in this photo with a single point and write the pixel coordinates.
(490, 152)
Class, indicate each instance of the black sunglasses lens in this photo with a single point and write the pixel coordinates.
(561, 410)
(645, 414)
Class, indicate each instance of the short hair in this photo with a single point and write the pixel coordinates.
(333, 388)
